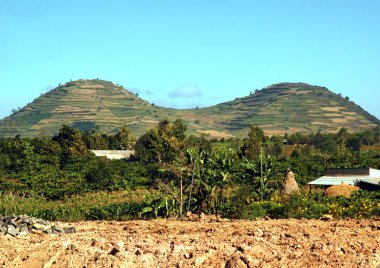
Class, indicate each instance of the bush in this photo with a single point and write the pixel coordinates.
(253, 211)
(304, 206)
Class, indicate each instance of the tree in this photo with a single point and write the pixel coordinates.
(276, 149)
(354, 144)
(124, 139)
(162, 143)
(342, 136)
(101, 176)
(253, 144)
(22, 155)
(71, 143)
(148, 147)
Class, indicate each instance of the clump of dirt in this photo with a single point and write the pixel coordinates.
(342, 189)
(223, 243)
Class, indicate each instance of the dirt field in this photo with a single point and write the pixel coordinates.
(170, 243)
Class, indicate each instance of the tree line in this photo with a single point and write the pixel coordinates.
(183, 172)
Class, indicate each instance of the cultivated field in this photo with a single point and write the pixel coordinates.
(173, 243)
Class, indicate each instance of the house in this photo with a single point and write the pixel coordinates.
(114, 154)
(365, 178)
(370, 184)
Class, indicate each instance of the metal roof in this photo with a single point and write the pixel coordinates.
(373, 178)
(114, 154)
(375, 181)
(325, 180)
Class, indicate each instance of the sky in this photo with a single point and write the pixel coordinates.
(187, 53)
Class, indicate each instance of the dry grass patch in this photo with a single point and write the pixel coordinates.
(349, 113)
(330, 109)
(339, 120)
(91, 86)
(331, 115)
(303, 92)
(216, 134)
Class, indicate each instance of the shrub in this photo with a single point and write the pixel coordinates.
(253, 211)
(304, 206)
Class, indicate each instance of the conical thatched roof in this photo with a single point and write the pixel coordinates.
(343, 189)
(290, 185)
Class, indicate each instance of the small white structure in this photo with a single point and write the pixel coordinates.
(114, 154)
(349, 176)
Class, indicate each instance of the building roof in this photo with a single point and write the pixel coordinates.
(375, 181)
(348, 176)
(114, 154)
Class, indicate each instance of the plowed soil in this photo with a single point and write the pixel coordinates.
(173, 243)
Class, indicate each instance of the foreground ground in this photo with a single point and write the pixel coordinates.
(169, 243)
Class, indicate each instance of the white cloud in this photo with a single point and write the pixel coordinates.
(186, 91)
(48, 88)
(138, 91)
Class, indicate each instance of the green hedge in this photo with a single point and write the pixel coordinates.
(361, 204)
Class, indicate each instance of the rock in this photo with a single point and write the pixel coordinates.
(69, 230)
(12, 230)
(176, 246)
(23, 228)
(48, 231)
(57, 229)
(138, 252)
(13, 222)
(21, 225)
(98, 242)
(37, 226)
(259, 232)
(192, 217)
(326, 217)
(235, 262)
(3, 229)
(114, 251)
(119, 246)
(256, 251)
(306, 234)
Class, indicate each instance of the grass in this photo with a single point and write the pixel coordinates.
(75, 208)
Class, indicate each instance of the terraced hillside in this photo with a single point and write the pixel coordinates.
(289, 108)
(280, 108)
(107, 104)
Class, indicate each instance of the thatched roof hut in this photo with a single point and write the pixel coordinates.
(290, 185)
(342, 189)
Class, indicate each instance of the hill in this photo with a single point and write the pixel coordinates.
(277, 109)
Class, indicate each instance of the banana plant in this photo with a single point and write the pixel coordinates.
(212, 174)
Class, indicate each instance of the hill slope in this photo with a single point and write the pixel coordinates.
(280, 108)
(292, 107)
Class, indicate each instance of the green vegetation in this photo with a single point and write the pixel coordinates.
(59, 178)
(97, 105)
(360, 205)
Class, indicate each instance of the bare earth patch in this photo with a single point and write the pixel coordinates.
(172, 243)
(331, 109)
(91, 86)
(216, 133)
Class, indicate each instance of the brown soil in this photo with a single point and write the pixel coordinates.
(342, 189)
(171, 243)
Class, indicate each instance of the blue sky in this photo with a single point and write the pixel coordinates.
(187, 53)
